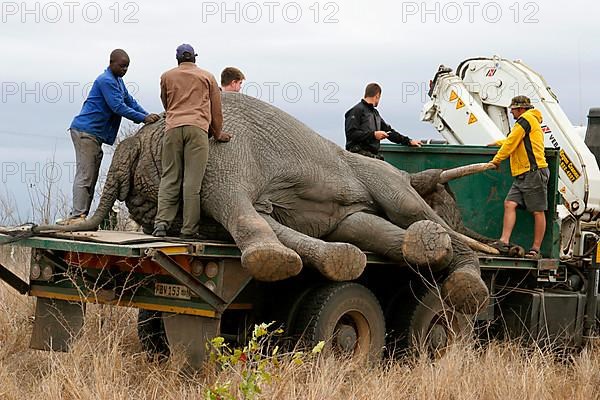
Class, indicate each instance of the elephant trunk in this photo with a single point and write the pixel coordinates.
(109, 195)
(466, 170)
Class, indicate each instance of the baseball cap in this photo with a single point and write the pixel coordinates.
(184, 48)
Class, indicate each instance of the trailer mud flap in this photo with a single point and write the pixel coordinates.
(57, 322)
(190, 334)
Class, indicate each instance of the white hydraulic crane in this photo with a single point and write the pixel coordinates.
(470, 106)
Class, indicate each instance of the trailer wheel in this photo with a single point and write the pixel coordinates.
(347, 316)
(152, 335)
(423, 323)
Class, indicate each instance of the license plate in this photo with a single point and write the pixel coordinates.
(172, 291)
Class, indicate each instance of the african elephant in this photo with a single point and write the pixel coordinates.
(287, 195)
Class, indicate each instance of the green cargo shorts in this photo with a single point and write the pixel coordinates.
(530, 190)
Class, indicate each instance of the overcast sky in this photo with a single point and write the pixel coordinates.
(310, 58)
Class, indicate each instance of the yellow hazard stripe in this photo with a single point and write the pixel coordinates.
(175, 250)
(124, 303)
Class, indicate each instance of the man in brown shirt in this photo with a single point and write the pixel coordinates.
(192, 101)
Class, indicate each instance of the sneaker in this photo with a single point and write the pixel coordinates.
(160, 230)
(71, 220)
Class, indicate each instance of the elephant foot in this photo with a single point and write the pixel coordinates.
(427, 243)
(516, 251)
(271, 262)
(465, 290)
(340, 262)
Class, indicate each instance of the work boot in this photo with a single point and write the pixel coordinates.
(71, 220)
(193, 236)
(160, 229)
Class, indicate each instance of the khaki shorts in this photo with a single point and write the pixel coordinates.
(530, 190)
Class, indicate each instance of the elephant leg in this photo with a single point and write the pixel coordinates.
(336, 261)
(263, 255)
(392, 191)
(423, 244)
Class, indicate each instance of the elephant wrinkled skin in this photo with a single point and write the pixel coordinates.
(288, 196)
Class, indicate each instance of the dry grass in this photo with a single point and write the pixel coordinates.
(107, 362)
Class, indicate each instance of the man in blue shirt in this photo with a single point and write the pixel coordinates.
(97, 123)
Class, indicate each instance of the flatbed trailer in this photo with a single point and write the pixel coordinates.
(191, 291)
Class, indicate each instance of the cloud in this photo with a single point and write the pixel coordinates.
(330, 52)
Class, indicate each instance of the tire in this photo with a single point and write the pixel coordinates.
(422, 323)
(151, 333)
(347, 316)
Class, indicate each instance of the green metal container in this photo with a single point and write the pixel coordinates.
(480, 197)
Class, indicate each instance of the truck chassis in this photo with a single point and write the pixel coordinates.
(188, 292)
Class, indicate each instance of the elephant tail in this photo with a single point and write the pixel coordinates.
(115, 187)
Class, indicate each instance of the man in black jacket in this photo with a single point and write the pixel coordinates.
(365, 128)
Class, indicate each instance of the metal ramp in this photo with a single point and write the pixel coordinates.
(119, 243)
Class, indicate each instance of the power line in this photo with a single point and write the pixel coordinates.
(27, 134)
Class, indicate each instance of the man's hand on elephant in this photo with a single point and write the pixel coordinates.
(223, 137)
(380, 135)
(151, 118)
(415, 143)
(494, 164)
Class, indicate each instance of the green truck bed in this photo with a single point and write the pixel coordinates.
(480, 197)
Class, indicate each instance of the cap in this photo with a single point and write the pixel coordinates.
(520, 102)
(184, 48)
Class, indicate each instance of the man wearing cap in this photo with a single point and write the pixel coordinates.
(232, 79)
(525, 147)
(97, 123)
(192, 102)
(365, 128)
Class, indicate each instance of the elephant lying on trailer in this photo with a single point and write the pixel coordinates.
(289, 197)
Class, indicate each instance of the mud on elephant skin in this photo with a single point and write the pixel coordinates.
(287, 195)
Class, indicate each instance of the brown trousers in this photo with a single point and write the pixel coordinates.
(184, 158)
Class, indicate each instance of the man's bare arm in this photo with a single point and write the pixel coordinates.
(216, 109)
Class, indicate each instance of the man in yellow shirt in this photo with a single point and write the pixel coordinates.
(525, 147)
